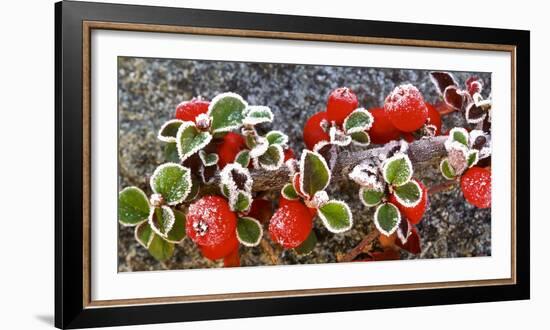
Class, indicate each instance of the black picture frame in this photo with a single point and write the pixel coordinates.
(70, 181)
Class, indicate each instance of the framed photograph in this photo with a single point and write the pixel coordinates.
(218, 164)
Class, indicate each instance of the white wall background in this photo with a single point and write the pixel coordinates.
(27, 162)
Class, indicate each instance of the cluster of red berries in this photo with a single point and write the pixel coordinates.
(404, 113)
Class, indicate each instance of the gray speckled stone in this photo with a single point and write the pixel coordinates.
(150, 89)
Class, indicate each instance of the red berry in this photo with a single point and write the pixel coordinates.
(291, 224)
(476, 186)
(289, 154)
(225, 248)
(229, 148)
(341, 102)
(382, 130)
(406, 108)
(233, 259)
(189, 110)
(413, 242)
(434, 118)
(210, 221)
(261, 210)
(414, 214)
(313, 131)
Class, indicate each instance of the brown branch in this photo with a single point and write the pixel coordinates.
(357, 250)
(445, 186)
(270, 252)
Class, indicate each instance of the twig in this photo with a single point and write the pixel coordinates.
(445, 186)
(270, 252)
(368, 239)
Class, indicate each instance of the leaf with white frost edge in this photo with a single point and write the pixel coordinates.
(314, 173)
(366, 175)
(144, 234)
(338, 137)
(177, 233)
(361, 139)
(474, 114)
(387, 218)
(459, 134)
(473, 157)
(227, 111)
(397, 170)
(258, 147)
(235, 178)
(243, 158)
(404, 231)
(249, 231)
(370, 197)
(336, 216)
(162, 220)
(358, 121)
(172, 181)
(208, 159)
(169, 130)
(288, 192)
(409, 194)
(133, 206)
(190, 140)
(442, 80)
(240, 201)
(447, 170)
(277, 137)
(160, 249)
(273, 158)
(258, 114)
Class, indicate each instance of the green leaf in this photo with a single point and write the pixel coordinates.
(227, 111)
(171, 152)
(257, 144)
(409, 194)
(208, 159)
(308, 245)
(133, 206)
(460, 135)
(249, 231)
(276, 137)
(144, 234)
(357, 121)
(225, 190)
(447, 170)
(177, 233)
(257, 114)
(370, 197)
(162, 220)
(273, 158)
(195, 187)
(172, 181)
(360, 138)
(190, 140)
(397, 170)
(289, 192)
(161, 249)
(314, 173)
(169, 130)
(336, 216)
(473, 157)
(243, 158)
(387, 218)
(240, 201)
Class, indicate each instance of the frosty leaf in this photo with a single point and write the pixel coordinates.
(276, 137)
(442, 80)
(258, 114)
(409, 194)
(397, 170)
(234, 177)
(328, 151)
(258, 145)
(308, 245)
(227, 111)
(404, 231)
(460, 135)
(172, 181)
(473, 157)
(358, 121)
(162, 220)
(194, 190)
(447, 170)
(387, 218)
(208, 173)
(171, 152)
(190, 140)
(366, 175)
(360, 138)
(243, 158)
(208, 159)
(370, 197)
(249, 231)
(240, 201)
(336, 216)
(133, 206)
(160, 249)
(314, 173)
(474, 113)
(273, 158)
(225, 190)
(412, 244)
(144, 234)
(288, 192)
(453, 97)
(177, 233)
(338, 137)
(169, 130)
